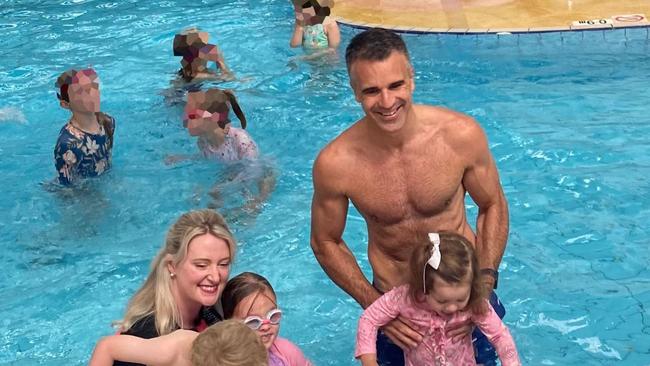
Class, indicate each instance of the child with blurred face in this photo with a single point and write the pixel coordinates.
(313, 28)
(85, 144)
(192, 45)
(206, 117)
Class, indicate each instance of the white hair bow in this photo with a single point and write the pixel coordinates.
(434, 260)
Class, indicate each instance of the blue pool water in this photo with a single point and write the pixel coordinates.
(566, 115)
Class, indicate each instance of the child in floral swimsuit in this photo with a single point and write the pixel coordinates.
(85, 144)
(314, 29)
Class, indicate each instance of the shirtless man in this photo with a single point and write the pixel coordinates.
(406, 168)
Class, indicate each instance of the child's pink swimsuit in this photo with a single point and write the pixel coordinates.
(238, 145)
(436, 348)
(285, 353)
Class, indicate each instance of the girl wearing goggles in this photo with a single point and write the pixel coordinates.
(250, 298)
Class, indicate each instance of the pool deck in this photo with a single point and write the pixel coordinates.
(492, 16)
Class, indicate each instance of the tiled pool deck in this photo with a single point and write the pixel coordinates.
(492, 16)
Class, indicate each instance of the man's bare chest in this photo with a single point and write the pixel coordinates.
(390, 193)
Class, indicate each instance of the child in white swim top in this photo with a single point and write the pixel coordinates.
(206, 117)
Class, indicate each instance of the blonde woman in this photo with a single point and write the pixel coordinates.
(187, 277)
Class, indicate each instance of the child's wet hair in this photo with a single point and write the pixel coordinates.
(217, 100)
(66, 79)
(458, 264)
(240, 287)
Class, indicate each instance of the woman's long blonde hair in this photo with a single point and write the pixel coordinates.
(155, 296)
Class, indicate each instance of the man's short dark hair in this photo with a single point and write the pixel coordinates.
(375, 44)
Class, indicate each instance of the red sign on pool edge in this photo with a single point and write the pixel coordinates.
(631, 18)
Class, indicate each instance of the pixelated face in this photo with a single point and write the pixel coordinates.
(384, 89)
(83, 92)
(201, 276)
(260, 304)
(446, 299)
(199, 122)
(308, 12)
(204, 37)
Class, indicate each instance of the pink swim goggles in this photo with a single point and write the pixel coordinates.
(272, 317)
(222, 120)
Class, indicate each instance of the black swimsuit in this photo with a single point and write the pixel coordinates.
(146, 328)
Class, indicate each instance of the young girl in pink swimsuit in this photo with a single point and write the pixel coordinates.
(444, 288)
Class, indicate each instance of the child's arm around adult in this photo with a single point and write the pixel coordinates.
(499, 335)
(171, 349)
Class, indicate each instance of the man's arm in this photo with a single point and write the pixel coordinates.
(328, 214)
(481, 180)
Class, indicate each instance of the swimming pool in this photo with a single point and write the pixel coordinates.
(566, 115)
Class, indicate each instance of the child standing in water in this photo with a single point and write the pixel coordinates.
(192, 44)
(85, 144)
(206, 117)
(444, 288)
(314, 29)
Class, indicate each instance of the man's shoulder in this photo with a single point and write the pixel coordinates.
(454, 125)
(444, 117)
(342, 146)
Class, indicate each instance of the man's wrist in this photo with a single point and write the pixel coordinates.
(490, 276)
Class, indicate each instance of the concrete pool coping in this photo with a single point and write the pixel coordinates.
(479, 31)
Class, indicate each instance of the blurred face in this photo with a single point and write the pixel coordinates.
(201, 276)
(260, 305)
(308, 13)
(448, 298)
(384, 89)
(84, 92)
(199, 122)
